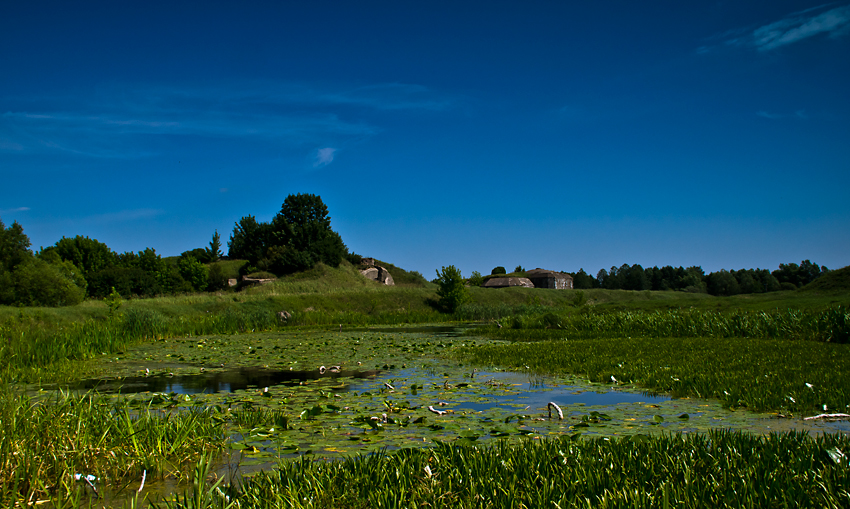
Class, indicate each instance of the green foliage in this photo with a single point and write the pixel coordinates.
(217, 277)
(519, 269)
(38, 283)
(214, 250)
(476, 279)
(759, 374)
(198, 253)
(834, 281)
(88, 254)
(799, 275)
(249, 239)
(298, 237)
(113, 301)
(126, 280)
(498, 270)
(195, 272)
(451, 289)
(14, 246)
(720, 469)
(722, 283)
(46, 441)
(579, 299)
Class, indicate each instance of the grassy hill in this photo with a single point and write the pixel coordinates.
(834, 281)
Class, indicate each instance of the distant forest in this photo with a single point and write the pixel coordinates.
(297, 238)
(693, 279)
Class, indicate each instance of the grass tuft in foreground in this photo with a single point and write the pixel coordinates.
(718, 469)
(43, 443)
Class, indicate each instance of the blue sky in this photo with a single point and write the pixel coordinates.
(562, 135)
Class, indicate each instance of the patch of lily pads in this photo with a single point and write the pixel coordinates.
(336, 393)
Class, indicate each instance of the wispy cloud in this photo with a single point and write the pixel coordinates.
(116, 122)
(324, 157)
(833, 22)
(18, 209)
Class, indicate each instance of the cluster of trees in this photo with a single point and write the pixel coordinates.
(28, 280)
(693, 279)
(73, 268)
(297, 238)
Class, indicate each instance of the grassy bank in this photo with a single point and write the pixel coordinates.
(43, 443)
(719, 469)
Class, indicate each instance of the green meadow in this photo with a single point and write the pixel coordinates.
(736, 376)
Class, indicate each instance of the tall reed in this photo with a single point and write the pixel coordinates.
(718, 469)
(45, 442)
(832, 324)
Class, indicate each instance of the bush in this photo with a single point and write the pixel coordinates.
(126, 281)
(498, 270)
(195, 272)
(38, 283)
(476, 279)
(216, 278)
(452, 290)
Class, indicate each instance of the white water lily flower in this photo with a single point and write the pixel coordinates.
(810, 386)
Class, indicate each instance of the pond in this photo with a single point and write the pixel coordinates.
(361, 391)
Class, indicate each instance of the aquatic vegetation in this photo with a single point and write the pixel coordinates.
(759, 374)
(46, 440)
(831, 324)
(716, 469)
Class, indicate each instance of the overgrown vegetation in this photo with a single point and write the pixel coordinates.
(762, 375)
(45, 442)
(718, 469)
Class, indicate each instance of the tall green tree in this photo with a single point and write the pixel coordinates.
(14, 246)
(214, 250)
(89, 255)
(249, 240)
(451, 289)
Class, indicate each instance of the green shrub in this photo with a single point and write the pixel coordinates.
(195, 272)
(216, 278)
(452, 290)
(127, 281)
(476, 279)
(498, 270)
(38, 283)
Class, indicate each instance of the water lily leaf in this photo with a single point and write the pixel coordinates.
(657, 418)
(684, 417)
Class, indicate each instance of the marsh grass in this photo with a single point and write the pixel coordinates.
(760, 374)
(45, 441)
(717, 469)
(831, 324)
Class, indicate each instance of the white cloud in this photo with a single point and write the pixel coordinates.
(18, 209)
(115, 123)
(324, 157)
(797, 27)
(793, 28)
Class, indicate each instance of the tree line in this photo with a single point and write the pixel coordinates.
(72, 269)
(694, 279)
(788, 276)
